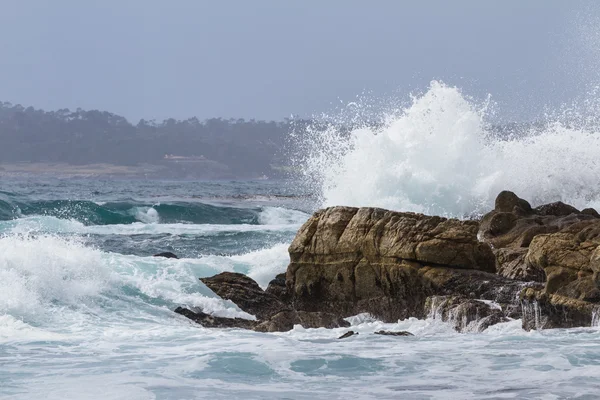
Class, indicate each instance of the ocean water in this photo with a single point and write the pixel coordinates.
(86, 312)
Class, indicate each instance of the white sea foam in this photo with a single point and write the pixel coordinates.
(57, 225)
(281, 216)
(46, 277)
(264, 264)
(147, 215)
(438, 156)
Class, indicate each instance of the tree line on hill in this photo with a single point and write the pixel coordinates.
(238, 147)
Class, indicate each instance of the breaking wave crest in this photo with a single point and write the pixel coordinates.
(440, 156)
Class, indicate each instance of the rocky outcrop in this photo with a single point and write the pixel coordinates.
(540, 264)
(350, 261)
(513, 224)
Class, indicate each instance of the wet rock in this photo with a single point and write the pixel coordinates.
(571, 260)
(509, 202)
(557, 209)
(166, 254)
(545, 311)
(349, 261)
(464, 314)
(277, 287)
(210, 321)
(348, 334)
(285, 321)
(394, 333)
(245, 293)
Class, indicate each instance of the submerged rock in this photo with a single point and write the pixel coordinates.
(285, 321)
(348, 334)
(210, 321)
(166, 254)
(394, 333)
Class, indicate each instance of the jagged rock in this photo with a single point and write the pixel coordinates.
(166, 254)
(348, 334)
(570, 259)
(510, 263)
(277, 287)
(345, 261)
(210, 321)
(513, 223)
(285, 321)
(545, 311)
(348, 260)
(465, 315)
(245, 293)
(509, 202)
(394, 333)
(557, 209)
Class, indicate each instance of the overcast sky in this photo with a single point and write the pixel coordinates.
(267, 59)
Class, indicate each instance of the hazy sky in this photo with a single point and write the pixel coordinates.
(267, 59)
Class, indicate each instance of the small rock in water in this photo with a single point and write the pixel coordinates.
(166, 254)
(348, 334)
(392, 333)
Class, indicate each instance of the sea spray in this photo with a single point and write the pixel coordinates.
(440, 156)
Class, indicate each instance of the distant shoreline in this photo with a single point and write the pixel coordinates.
(109, 171)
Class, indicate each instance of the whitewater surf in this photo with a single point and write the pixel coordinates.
(87, 312)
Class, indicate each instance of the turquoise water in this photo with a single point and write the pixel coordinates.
(86, 312)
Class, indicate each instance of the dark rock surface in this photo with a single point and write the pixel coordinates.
(245, 293)
(166, 254)
(348, 334)
(209, 321)
(394, 333)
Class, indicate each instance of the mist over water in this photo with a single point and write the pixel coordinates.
(440, 155)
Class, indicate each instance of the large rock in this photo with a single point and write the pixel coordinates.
(555, 244)
(348, 261)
